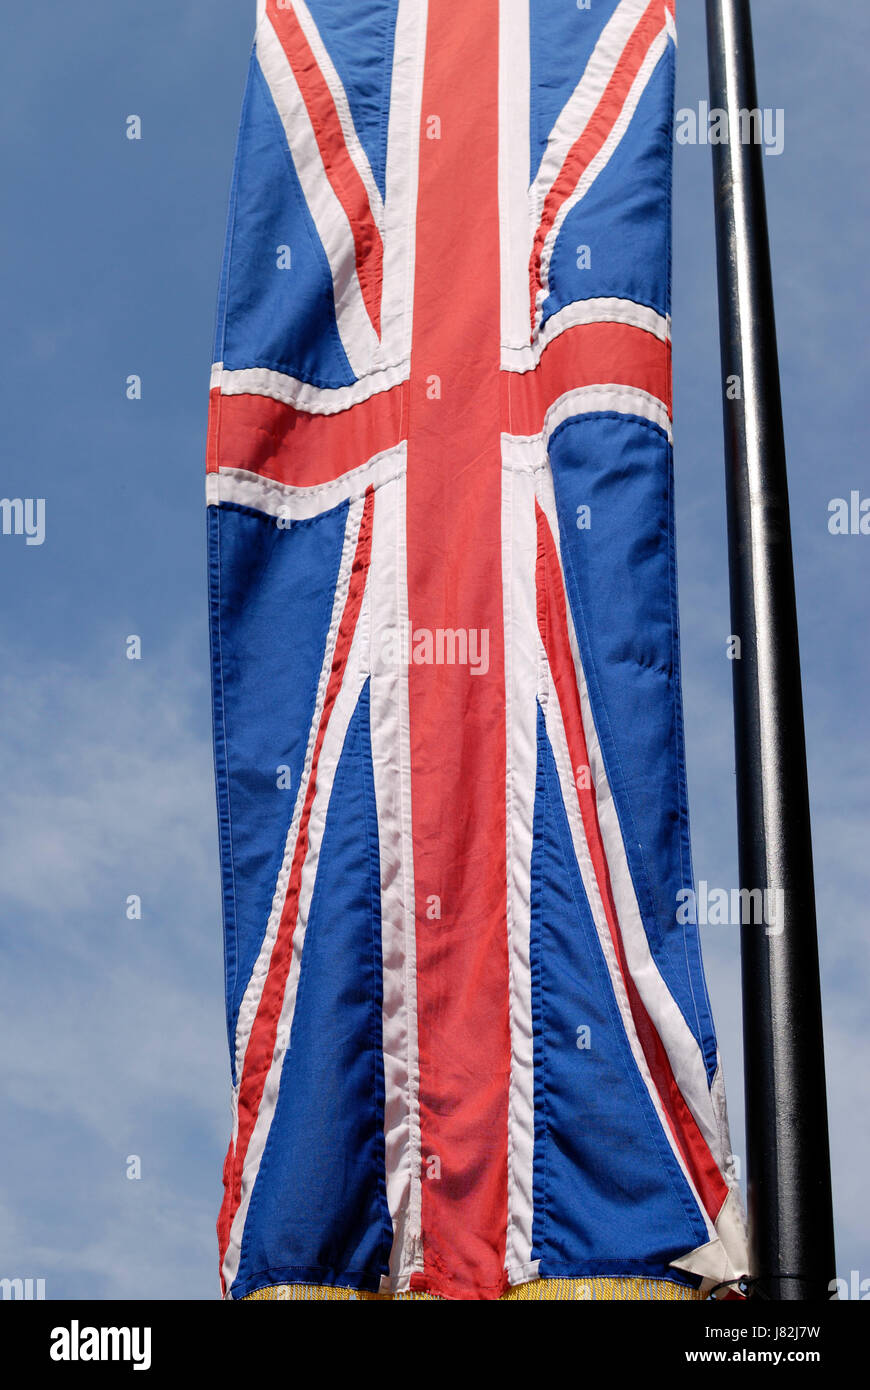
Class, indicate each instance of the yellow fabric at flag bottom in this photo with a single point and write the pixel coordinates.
(538, 1290)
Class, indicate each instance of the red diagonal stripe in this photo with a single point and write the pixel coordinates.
(340, 168)
(595, 133)
(261, 1044)
(553, 626)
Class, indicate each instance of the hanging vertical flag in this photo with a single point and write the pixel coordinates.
(472, 1051)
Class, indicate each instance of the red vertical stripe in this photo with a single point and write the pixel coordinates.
(457, 717)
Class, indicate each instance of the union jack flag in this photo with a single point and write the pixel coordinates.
(471, 1044)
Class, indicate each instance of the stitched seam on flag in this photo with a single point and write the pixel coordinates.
(621, 415)
(542, 1241)
(223, 785)
(288, 492)
(376, 1038)
(603, 389)
(709, 1031)
(228, 788)
(412, 1058)
(233, 203)
(416, 154)
(384, 105)
(315, 382)
(507, 600)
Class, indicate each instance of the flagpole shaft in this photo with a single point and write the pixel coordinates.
(788, 1161)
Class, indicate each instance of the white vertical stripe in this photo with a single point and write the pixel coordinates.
(330, 754)
(513, 170)
(391, 760)
(519, 546)
(403, 158)
(358, 336)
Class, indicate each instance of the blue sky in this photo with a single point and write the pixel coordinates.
(112, 1031)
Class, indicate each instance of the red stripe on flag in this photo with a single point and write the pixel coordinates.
(340, 168)
(553, 626)
(588, 354)
(261, 1044)
(457, 717)
(595, 133)
(212, 446)
(301, 449)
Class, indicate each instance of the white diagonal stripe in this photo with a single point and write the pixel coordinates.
(358, 336)
(342, 105)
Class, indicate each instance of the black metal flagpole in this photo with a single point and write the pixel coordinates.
(788, 1162)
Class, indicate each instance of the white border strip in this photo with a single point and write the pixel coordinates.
(584, 311)
(391, 761)
(280, 500)
(514, 156)
(519, 549)
(302, 395)
(606, 396)
(403, 166)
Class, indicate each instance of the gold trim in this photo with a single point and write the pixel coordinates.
(537, 1290)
